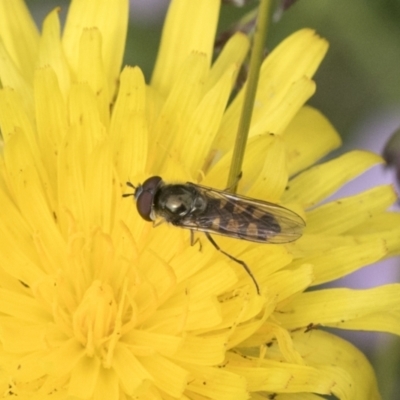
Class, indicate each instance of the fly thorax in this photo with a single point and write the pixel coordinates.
(178, 204)
(176, 201)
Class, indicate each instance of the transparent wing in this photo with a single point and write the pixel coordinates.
(244, 218)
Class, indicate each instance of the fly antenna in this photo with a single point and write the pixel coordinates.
(131, 185)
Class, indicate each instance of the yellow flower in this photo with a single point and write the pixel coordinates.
(95, 303)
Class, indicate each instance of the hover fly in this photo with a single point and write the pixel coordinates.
(200, 208)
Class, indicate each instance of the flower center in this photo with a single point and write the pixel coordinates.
(96, 318)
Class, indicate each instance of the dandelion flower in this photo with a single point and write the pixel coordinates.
(95, 303)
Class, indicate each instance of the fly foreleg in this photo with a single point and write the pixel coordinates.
(193, 241)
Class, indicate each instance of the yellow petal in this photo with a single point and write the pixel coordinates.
(198, 260)
(242, 310)
(308, 138)
(296, 396)
(233, 53)
(14, 116)
(203, 314)
(183, 99)
(84, 377)
(341, 215)
(12, 78)
(285, 343)
(207, 350)
(168, 376)
(111, 18)
(128, 128)
(107, 385)
(268, 149)
(277, 119)
(267, 186)
(181, 30)
(327, 178)
(129, 369)
(24, 177)
(165, 344)
(100, 189)
(19, 35)
(341, 261)
(51, 119)
(267, 259)
(70, 181)
(51, 52)
(334, 307)
(16, 235)
(203, 125)
(310, 244)
(386, 221)
(379, 322)
(287, 70)
(158, 274)
(244, 332)
(288, 283)
(18, 336)
(85, 133)
(91, 70)
(84, 117)
(70, 352)
(213, 280)
(385, 226)
(25, 367)
(216, 383)
(340, 359)
(26, 173)
(280, 377)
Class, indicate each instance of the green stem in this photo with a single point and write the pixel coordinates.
(256, 59)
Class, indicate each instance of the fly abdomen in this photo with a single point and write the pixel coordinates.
(238, 220)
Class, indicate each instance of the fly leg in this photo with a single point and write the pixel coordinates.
(242, 263)
(158, 223)
(193, 241)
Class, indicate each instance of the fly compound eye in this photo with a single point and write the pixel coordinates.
(144, 196)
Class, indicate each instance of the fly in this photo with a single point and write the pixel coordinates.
(200, 208)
